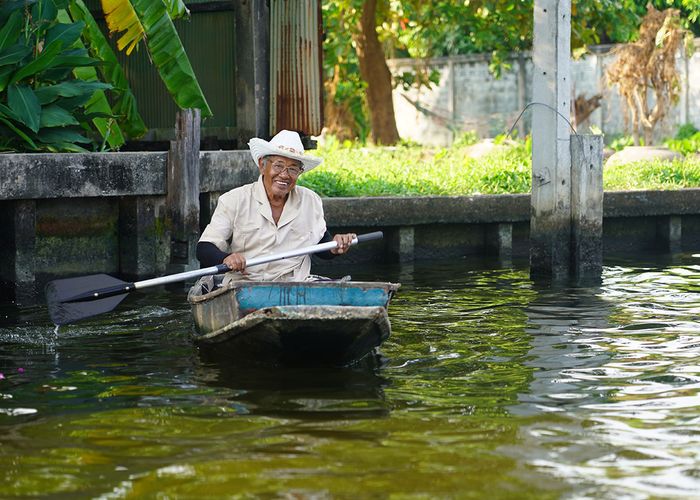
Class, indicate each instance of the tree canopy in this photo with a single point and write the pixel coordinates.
(419, 29)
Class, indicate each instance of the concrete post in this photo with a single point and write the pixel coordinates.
(182, 198)
(587, 205)
(550, 223)
(402, 244)
(522, 92)
(599, 114)
(143, 238)
(451, 102)
(499, 240)
(18, 251)
(669, 232)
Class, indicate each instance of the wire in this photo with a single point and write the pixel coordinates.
(510, 131)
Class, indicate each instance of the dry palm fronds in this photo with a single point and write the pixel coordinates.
(649, 66)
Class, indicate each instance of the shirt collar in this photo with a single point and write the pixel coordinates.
(291, 210)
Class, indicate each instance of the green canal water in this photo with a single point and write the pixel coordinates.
(491, 386)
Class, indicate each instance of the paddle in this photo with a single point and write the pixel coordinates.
(73, 299)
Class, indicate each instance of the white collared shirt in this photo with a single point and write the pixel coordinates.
(243, 223)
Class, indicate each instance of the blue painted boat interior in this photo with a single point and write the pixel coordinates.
(257, 297)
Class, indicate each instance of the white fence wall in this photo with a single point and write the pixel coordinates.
(469, 97)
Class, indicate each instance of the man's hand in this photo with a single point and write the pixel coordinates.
(235, 262)
(344, 241)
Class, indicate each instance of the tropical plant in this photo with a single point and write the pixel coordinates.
(152, 20)
(55, 66)
(686, 141)
(43, 104)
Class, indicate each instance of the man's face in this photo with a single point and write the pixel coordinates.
(280, 174)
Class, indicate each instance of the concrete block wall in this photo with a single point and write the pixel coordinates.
(470, 98)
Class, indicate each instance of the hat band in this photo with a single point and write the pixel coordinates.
(290, 149)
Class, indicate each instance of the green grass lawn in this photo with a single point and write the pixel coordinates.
(352, 170)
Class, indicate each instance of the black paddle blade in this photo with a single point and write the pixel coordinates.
(60, 296)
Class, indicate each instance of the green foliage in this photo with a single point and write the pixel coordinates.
(42, 105)
(349, 169)
(123, 100)
(341, 67)
(687, 145)
(654, 174)
(686, 131)
(419, 29)
(168, 55)
(621, 142)
(465, 139)
(352, 170)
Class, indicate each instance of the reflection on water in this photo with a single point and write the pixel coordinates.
(490, 386)
(301, 392)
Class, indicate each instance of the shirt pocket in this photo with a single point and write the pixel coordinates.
(302, 236)
(247, 238)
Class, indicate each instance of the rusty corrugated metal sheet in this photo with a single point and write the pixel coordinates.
(296, 89)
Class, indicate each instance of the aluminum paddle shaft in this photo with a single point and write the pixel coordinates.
(255, 261)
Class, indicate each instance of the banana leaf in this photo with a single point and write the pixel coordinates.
(169, 57)
(121, 17)
(177, 9)
(124, 104)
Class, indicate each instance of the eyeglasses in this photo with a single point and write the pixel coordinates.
(292, 170)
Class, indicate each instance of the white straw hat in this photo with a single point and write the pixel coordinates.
(286, 143)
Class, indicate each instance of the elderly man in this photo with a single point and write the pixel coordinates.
(270, 215)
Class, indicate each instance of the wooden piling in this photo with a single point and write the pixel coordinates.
(182, 197)
(587, 205)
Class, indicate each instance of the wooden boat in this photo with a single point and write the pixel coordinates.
(328, 322)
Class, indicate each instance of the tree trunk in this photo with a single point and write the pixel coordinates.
(376, 74)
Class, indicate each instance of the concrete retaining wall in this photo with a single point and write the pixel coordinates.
(74, 214)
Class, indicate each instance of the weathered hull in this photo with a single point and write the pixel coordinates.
(323, 322)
